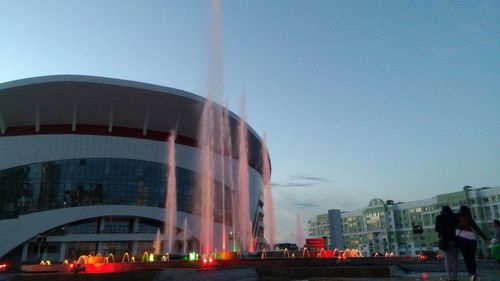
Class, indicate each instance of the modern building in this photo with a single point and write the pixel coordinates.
(336, 235)
(83, 168)
(322, 226)
(319, 227)
(407, 228)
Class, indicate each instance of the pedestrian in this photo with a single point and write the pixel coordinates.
(466, 239)
(495, 247)
(446, 224)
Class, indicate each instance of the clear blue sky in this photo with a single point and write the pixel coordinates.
(359, 99)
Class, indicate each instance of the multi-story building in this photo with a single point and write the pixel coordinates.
(319, 227)
(83, 169)
(407, 228)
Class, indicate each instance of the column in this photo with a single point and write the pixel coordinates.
(62, 252)
(24, 255)
(135, 229)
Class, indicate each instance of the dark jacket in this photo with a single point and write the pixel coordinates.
(446, 225)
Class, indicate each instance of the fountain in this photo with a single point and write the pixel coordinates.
(157, 243)
(228, 152)
(171, 200)
(336, 252)
(165, 258)
(205, 188)
(108, 258)
(321, 253)
(243, 181)
(126, 255)
(268, 197)
(205, 191)
(216, 162)
(212, 124)
(145, 257)
(304, 253)
(222, 146)
(351, 253)
(300, 232)
(264, 254)
(45, 262)
(82, 259)
(286, 253)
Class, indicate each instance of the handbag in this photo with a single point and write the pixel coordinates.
(443, 244)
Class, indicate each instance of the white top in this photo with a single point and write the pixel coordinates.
(465, 234)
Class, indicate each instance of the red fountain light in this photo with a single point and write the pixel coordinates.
(208, 261)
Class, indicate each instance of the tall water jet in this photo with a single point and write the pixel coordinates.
(205, 190)
(300, 233)
(228, 152)
(216, 63)
(223, 143)
(245, 234)
(268, 196)
(157, 243)
(171, 201)
(205, 186)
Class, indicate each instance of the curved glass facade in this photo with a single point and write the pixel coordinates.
(98, 181)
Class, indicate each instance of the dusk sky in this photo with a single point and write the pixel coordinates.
(359, 99)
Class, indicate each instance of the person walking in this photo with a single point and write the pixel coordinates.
(446, 224)
(466, 239)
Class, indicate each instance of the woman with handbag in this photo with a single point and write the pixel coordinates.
(446, 223)
(466, 239)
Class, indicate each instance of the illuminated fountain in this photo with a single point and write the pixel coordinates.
(147, 257)
(264, 254)
(225, 147)
(156, 243)
(215, 137)
(336, 252)
(205, 190)
(353, 253)
(109, 258)
(126, 257)
(322, 253)
(300, 232)
(244, 226)
(171, 200)
(205, 186)
(165, 258)
(286, 253)
(304, 253)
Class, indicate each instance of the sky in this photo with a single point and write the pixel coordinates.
(396, 100)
